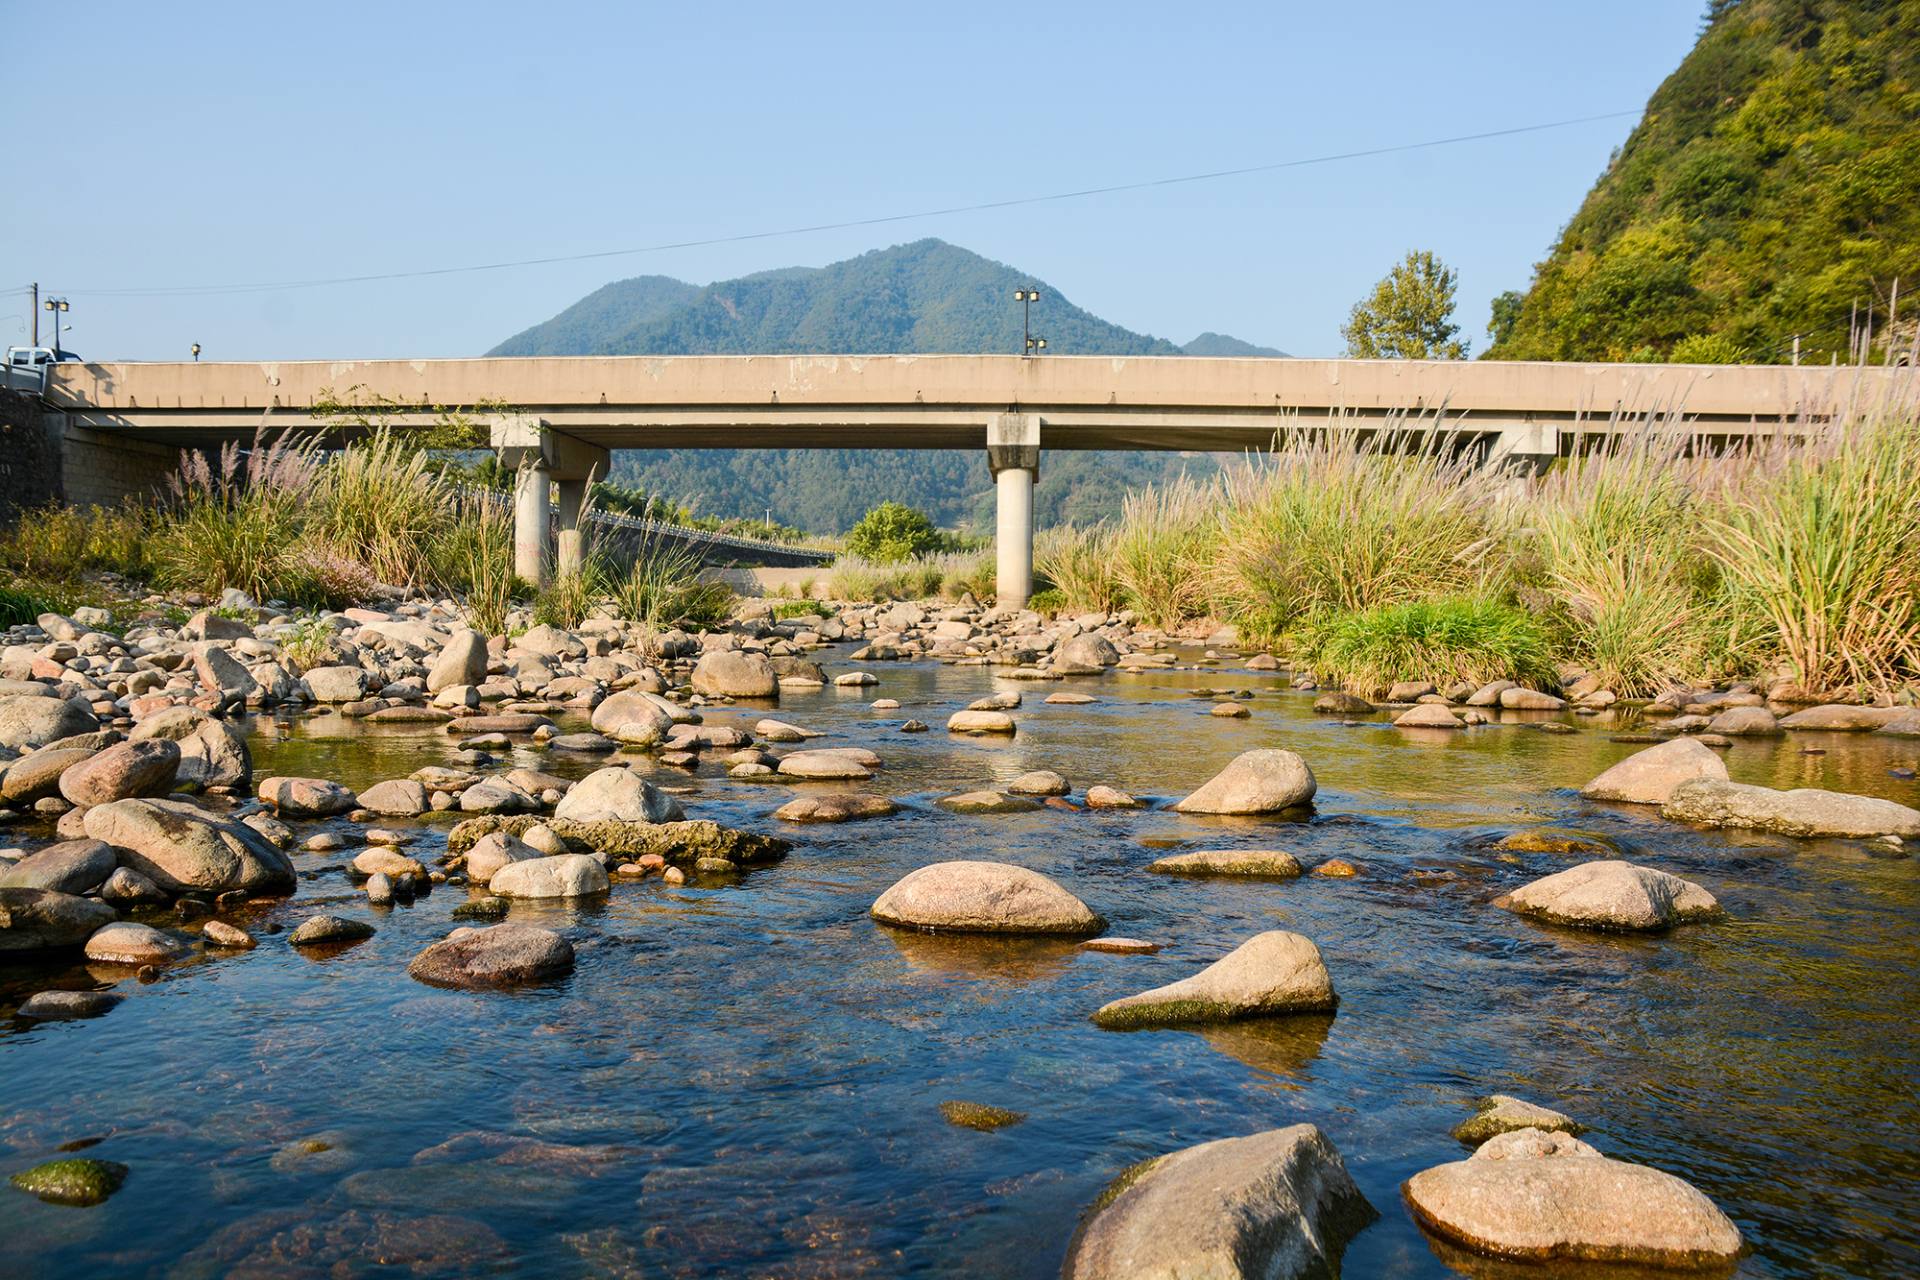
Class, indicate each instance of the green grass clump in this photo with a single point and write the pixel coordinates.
(18, 607)
(1447, 640)
(1338, 522)
(1077, 566)
(1821, 548)
(1616, 539)
(1163, 549)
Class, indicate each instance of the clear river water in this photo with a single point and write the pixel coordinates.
(744, 1077)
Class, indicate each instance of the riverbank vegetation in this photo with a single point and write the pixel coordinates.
(283, 520)
(1642, 561)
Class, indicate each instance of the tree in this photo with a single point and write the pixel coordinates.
(891, 532)
(1409, 315)
(1506, 314)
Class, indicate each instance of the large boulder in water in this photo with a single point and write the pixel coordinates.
(31, 721)
(632, 716)
(501, 956)
(212, 752)
(41, 919)
(123, 771)
(1278, 1205)
(1836, 717)
(306, 797)
(1649, 776)
(462, 661)
(566, 875)
(1805, 812)
(984, 897)
(1270, 973)
(617, 794)
(1549, 1197)
(730, 673)
(1264, 781)
(1085, 655)
(183, 849)
(1612, 894)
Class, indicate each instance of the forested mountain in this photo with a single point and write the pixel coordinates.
(1771, 189)
(924, 297)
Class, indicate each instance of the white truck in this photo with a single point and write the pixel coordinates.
(25, 368)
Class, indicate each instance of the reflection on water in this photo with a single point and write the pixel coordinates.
(743, 1076)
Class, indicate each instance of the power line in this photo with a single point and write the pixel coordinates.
(1015, 202)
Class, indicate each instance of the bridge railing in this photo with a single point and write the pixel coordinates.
(651, 529)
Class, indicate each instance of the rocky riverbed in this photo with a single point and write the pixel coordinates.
(714, 1035)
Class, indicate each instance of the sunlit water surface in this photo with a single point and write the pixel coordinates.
(743, 1078)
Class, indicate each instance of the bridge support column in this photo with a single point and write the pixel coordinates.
(531, 483)
(569, 545)
(1524, 449)
(1013, 455)
(540, 456)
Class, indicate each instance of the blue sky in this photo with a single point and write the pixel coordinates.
(237, 143)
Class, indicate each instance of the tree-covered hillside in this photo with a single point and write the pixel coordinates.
(1772, 189)
(922, 298)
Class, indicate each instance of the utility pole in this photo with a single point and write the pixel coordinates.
(36, 313)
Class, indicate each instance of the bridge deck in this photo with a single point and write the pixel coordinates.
(896, 401)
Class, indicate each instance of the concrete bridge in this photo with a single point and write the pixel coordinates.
(557, 418)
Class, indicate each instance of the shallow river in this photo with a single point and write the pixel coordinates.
(743, 1078)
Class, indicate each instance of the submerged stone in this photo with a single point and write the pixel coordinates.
(979, 1115)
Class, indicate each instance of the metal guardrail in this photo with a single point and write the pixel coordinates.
(666, 529)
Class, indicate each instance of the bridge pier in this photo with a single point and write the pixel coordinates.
(532, 482)
(569, 545)
(1013, 455)
(540, 456)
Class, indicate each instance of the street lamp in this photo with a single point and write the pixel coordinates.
(196, 353)
(57, 306)
(1026, 298)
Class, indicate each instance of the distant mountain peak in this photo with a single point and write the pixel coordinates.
(1221, 344)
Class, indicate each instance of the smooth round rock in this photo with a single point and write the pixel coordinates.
(127, 943)
(1612, 894)
(1548, 1197)
(572, 875)
(842, 806)
(324, 929)
(1271, 973)
(984, 897)
(500, 956)
(1269, 780)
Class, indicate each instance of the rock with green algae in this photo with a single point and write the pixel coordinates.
(487, 908)
(979, 1115)
(1499, 1113)
(682, 842)
(76, 1181)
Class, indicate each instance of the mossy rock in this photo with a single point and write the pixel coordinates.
(678, 842)
(487, 908)
(75, 1181)
(980, 1116)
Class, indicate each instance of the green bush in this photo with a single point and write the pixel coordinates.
(1444, 640)
(891, 533)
